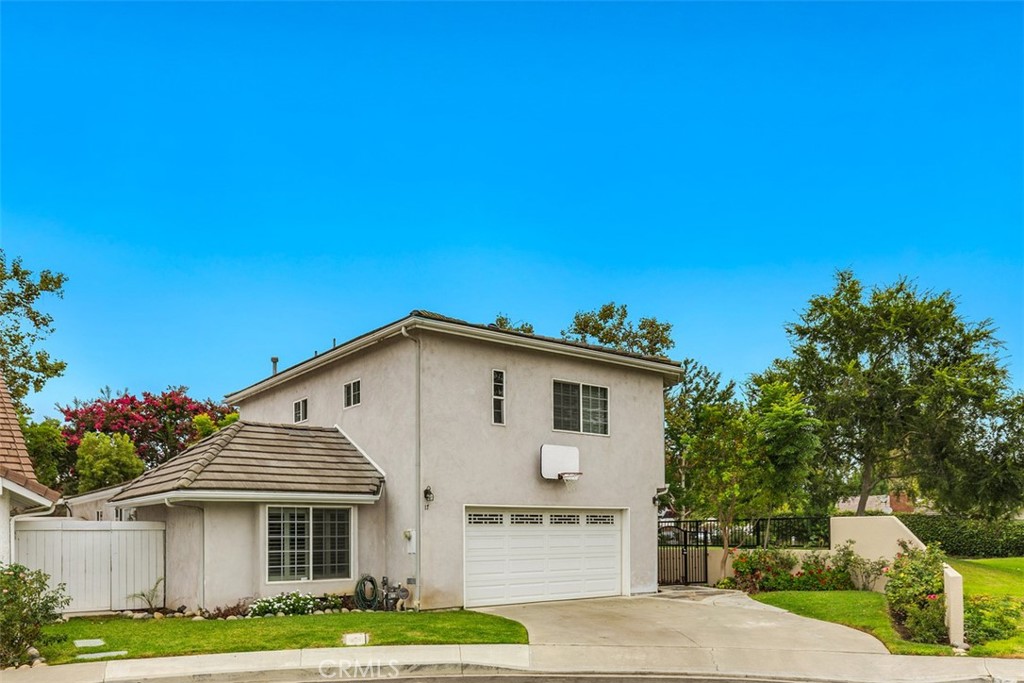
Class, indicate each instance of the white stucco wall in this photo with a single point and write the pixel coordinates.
(469, 461)
(183, 551)
(5, 526)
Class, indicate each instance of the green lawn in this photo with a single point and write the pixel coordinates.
(866, 611)
(862, 610)
(992, 576)
(995, 576)
(168, 637)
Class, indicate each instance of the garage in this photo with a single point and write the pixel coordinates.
(515, 555)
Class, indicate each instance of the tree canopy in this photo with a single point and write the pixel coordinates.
(160, 425)
(23, 326)
(504, 322)
(908, 393)
(106, 460)
(610, 326)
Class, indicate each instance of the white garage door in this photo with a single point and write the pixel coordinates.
(531, 555)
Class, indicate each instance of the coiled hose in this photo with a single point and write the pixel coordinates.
(364, 600)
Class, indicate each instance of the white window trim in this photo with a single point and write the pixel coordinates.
(353, 569)
(579, 383)
(306, 411)
(504, 398)
(345, 386)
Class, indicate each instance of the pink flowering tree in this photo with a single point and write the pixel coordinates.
(160, 425)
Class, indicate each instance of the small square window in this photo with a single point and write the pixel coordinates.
(353, 393)
(299, 410)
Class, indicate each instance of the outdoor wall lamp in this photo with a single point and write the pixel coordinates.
(428, 495)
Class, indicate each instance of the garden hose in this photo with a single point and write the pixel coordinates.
(364, 601)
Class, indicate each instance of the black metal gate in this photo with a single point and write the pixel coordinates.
(682, 555)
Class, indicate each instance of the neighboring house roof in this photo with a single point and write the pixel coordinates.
(419, 319)
(15, 465)
(253, 461)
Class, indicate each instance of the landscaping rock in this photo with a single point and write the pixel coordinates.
(158, 615)
(36, 663)
(24, 666)
(32, 653)
(198, 618)
(345, 610)
(280, 614)
(231, 618)
(318, 611)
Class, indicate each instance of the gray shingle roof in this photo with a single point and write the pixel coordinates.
(249, 456)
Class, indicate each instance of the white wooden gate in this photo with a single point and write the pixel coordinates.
(101, 563)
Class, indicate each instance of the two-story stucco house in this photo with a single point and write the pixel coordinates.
(435, 452)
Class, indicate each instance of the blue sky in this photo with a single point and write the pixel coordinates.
(225, 182)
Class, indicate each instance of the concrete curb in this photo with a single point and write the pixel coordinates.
(514, 663)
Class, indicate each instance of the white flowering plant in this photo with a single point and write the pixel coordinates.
(285, 603)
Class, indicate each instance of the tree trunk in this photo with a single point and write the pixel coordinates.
(867, 482)
(724, 530)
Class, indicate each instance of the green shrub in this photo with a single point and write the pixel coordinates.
(863, 573)
(914, 589)
(818, 574)
(926, 622)
(969, 537)
(763, 569)
(27, 603)
(987, 618)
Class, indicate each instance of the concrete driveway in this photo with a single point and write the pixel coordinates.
(710, 621)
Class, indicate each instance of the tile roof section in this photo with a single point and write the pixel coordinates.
(249, 456)
(15, 465)
(13, 454)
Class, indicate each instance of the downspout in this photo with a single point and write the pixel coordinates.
(29, 515)
(202, 552)
(419, 477)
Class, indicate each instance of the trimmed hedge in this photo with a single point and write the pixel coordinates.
(969, 537)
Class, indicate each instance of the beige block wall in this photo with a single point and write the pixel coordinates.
(467, 460)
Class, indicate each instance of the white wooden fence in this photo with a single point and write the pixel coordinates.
(101, 563)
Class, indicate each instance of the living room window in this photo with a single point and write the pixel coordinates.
(309, 543)
(580, 407)
(498, 397)
(353, 393)
(299, 410)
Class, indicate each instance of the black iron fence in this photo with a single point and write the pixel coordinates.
(774, 532)
(682, 557)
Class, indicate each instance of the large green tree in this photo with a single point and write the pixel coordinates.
(907, 390)
(23, 326)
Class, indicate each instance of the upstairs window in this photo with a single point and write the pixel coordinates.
(580, 408)
(498, 397)
(353, 393)
(299, 410)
